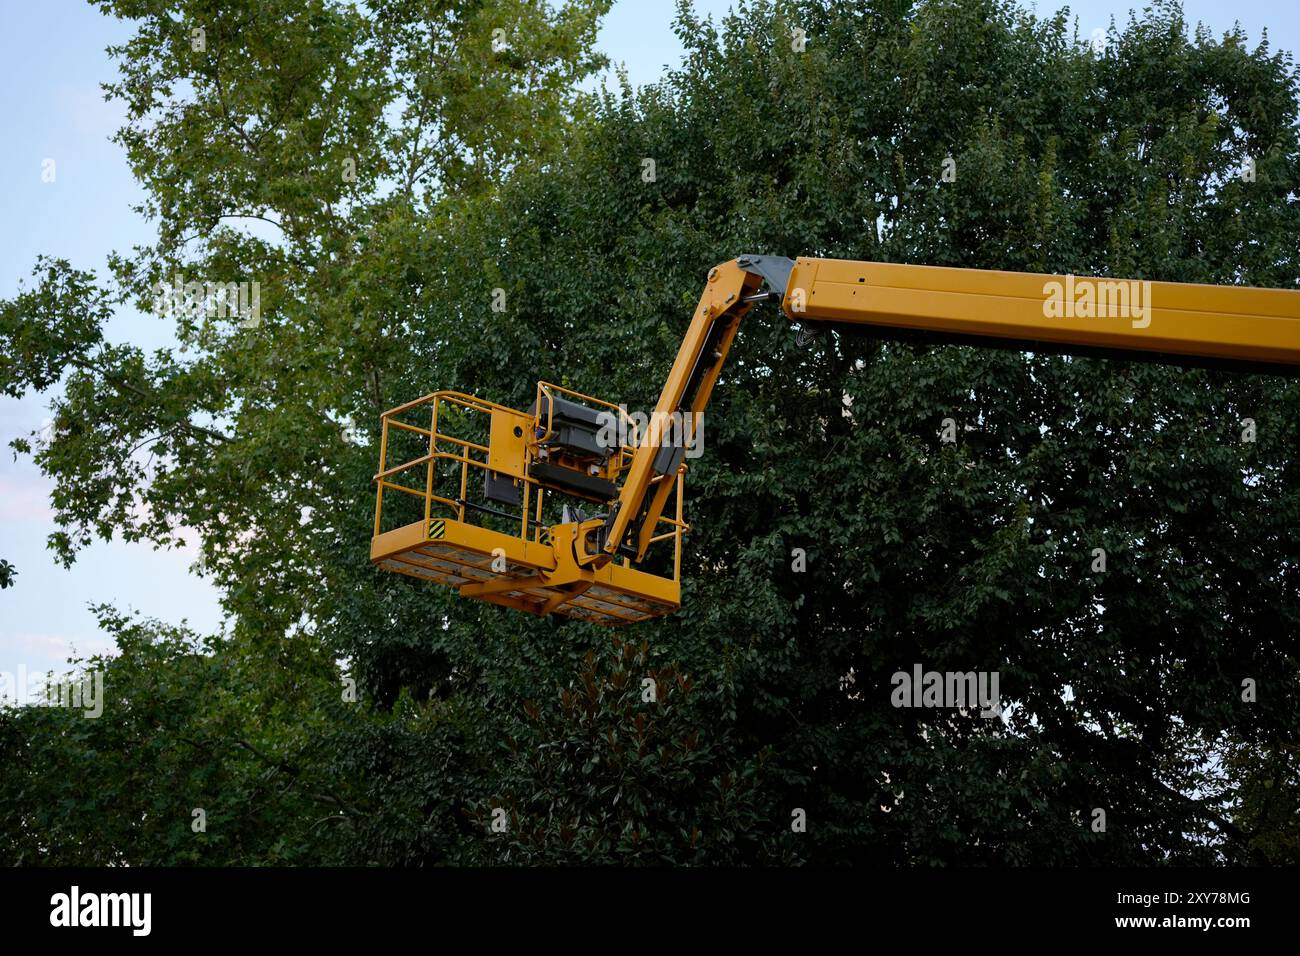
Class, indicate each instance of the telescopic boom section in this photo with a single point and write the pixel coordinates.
(1171, 322)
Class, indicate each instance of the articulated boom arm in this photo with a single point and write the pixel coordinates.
(729, 294)
(1178, 323)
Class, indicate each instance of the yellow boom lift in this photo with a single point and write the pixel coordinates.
(528, 543)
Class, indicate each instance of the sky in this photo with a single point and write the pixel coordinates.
(52, 60)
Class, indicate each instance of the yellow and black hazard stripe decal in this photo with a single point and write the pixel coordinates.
(437, 529)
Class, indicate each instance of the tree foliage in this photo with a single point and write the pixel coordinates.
(1124, 688)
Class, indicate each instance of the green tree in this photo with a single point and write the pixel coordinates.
(200, 755)
(1123, 687)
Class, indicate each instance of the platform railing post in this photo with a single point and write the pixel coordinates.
(428, 467)
(383, 463)
(677, 538)
(464, 482)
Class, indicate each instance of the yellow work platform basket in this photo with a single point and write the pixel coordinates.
(489, 501)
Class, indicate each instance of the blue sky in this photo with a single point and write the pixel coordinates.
(52, 60)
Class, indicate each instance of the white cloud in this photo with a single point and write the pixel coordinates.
(45, 647)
